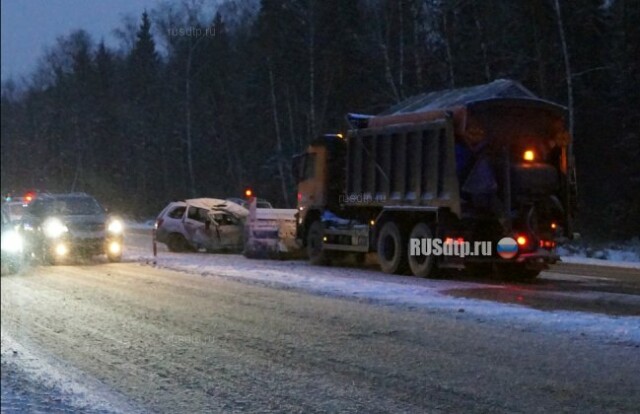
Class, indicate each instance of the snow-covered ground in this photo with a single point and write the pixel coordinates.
(623, 254)
(375, 287)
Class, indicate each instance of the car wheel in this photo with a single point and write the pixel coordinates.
(177, 243)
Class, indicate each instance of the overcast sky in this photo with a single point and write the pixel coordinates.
(30, 25)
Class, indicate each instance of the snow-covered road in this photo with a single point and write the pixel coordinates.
(610, 307)
(221, 333)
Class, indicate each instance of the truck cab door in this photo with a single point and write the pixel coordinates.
(311, 178)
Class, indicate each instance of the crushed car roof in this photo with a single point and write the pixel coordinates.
(219, 204)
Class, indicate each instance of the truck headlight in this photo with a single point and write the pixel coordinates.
(115, 226)
(54, 228)
(12, 242)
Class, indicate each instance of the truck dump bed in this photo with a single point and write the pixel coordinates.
(405, 164)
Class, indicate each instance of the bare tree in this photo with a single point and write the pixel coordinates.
(567, 65)
(276, 122)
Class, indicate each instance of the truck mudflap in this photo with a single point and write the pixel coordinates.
(271, 233)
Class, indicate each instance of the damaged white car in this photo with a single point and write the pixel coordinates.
(209, 224)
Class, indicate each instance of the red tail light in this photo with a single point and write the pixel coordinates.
(547, 244)
(28, 197)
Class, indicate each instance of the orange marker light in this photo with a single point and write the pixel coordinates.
(529, 155)
(521, 240)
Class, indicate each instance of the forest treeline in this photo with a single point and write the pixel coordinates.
(201, 103)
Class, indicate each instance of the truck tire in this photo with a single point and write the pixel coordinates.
(392, 254)
(317, 255)
(421, 266)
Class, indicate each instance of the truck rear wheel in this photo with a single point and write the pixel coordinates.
(421, 265)
(392, 249)
(315, 252)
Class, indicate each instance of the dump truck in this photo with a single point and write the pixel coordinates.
(488, 163)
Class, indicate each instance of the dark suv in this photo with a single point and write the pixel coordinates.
(59, 226)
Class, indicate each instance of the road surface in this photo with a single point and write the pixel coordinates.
(147, 338)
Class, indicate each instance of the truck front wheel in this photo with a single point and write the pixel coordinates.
(315, 252)
(392, 249)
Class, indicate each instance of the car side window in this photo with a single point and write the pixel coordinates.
(226, 220)
(177, 212)
(198, 214)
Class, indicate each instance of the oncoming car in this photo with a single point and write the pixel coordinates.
(12, 245)
(202, 223)
(58, 227)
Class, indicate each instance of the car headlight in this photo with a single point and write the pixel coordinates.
(12, 242)
(54, 228)
(115, 226)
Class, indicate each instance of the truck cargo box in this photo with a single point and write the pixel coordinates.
(406, 164)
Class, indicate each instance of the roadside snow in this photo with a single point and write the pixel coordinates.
(628, 264)
(373, 286)
(621, 254)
